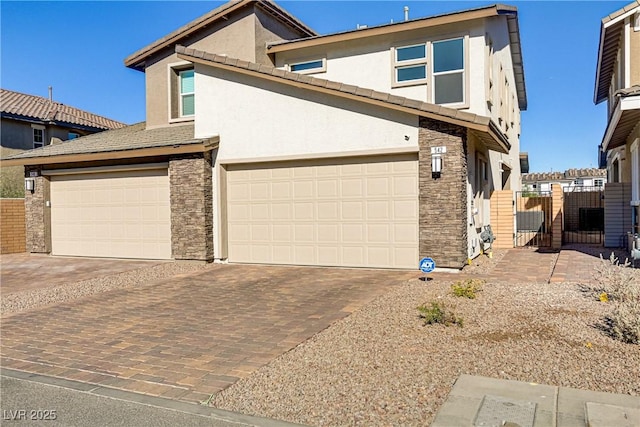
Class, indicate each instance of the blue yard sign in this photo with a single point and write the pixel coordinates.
(427, 265)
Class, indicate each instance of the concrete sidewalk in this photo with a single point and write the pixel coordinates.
(29, 399)
(481, 401)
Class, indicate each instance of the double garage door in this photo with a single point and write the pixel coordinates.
(340, 212)
(116, 214)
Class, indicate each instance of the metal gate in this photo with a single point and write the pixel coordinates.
(533, 218)
(583, 215)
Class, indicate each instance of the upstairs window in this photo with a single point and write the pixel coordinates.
(38, 137)
(187, 93)
(448, 71)
(309, 67)
(598, 182)
(182, 92)
(410, 64)
(72, 135)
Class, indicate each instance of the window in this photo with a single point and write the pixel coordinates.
(72, 135)
(410, 64)
(187, 93)
(309, 67)
(448, 71)
(489, 70)
(598, 182)
(38, 137)
(181, 91)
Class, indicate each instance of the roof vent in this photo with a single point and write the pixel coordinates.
(406, 13)
(360, 27)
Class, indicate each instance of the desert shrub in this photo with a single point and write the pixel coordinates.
(438, 313)
(467, 288)
(12, 177)
(619, 285)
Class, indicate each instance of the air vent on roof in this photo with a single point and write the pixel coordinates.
(360, 27)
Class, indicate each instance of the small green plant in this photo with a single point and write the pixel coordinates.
(467, 288)
(438, 313)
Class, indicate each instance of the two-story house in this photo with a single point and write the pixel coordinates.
(267, 143)
(618, 83)
(30, 121)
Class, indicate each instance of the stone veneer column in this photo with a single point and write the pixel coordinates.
(191, 194)
(443, 201)
(37, 214)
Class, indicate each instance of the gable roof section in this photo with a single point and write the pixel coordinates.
(482, 126)
(610, 29)
(128, 142)
(510, 12)
(36, 109)
(136, 60)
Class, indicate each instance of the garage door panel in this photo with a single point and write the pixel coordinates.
(111, 214)
(343, 212)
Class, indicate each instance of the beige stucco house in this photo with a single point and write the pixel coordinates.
(618, 83)
(268, 143)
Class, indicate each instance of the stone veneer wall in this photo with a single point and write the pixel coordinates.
(443, 201)
(37, 215)
(191, 193)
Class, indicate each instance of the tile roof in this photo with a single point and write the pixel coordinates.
(136, 59)
(496, 141)
(128, 138)
(20, 105)
(569, 174)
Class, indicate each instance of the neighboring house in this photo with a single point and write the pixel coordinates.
(570, 180)
(267, 143)
(30, 121)
(618, 83)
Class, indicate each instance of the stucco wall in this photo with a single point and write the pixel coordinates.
(19, 134)
(261, 119)
(235, 37)
(244, 36)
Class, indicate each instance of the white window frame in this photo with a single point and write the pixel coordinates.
(598, 182)
(463, 70)
(321, 69)
(396, 65)
(41, 130)
(181, 94)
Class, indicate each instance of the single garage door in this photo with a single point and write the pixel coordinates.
(114, 214)
(340, 212)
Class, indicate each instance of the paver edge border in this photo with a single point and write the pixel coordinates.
(143, 399)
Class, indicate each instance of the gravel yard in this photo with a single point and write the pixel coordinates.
(381, 366)
(21, 301)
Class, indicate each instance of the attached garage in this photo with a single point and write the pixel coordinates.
(348, 212)
(119, 214)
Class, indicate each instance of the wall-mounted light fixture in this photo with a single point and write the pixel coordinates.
(436, 165)
(436, 161)
(29, 184)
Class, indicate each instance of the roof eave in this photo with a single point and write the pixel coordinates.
(448, 18)
(200, 146)
(137, 59)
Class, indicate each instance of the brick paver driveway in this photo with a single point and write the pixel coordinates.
(191, 335)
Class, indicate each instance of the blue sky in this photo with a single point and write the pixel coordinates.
(79, 47)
